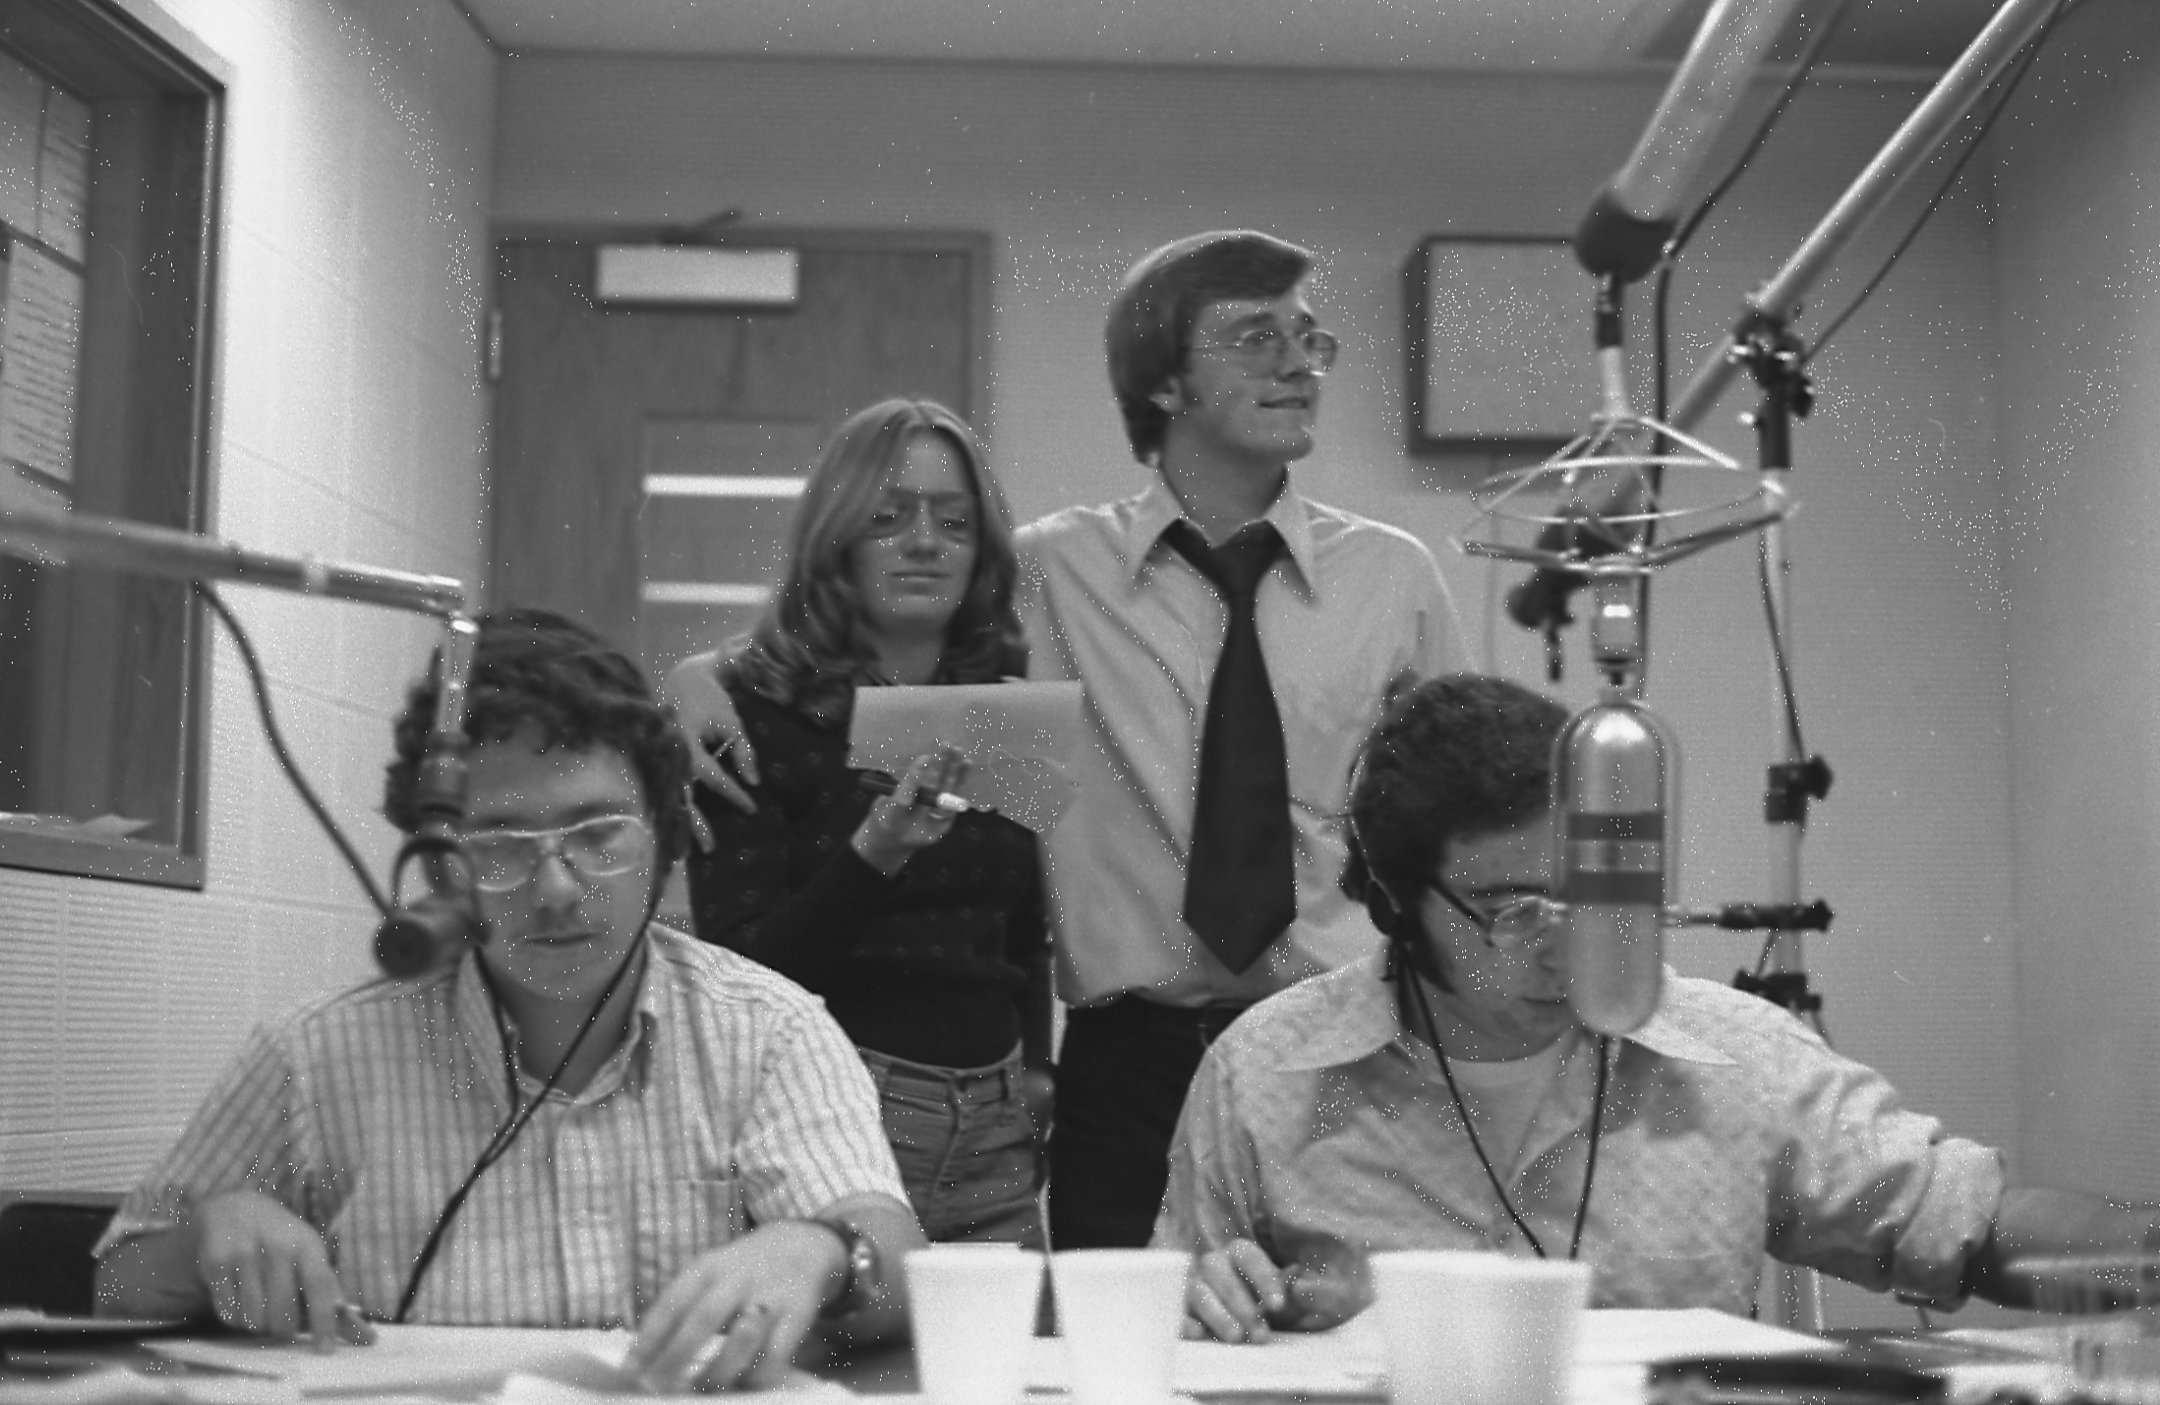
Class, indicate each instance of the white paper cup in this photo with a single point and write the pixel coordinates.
(1478, 1329)
(1120, 1312)
(973, 1307)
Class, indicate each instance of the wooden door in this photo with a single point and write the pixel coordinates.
(648, 460)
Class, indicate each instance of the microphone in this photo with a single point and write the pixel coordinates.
(1615, 784)
(416, 937)
(1540, 600)
(434, 929)
(1624, 232)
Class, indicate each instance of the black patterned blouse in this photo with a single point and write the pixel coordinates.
(946, 963)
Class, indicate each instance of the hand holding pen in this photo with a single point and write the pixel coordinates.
(267, 1271)
(918, 813)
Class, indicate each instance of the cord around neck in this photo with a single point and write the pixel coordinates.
(1411, 995)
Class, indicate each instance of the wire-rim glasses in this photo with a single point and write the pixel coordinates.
(1508, 924)
(1257, 351)
(505, 860)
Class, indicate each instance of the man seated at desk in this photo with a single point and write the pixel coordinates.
(587, 1120)
(1444, 1097)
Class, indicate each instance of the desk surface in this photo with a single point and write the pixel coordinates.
(529, 1367)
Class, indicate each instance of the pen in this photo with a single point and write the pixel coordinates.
(877, 782)
(353, 1325)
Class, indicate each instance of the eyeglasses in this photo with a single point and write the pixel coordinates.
(952, 515)
(1257, 351)
(1511, 923)
(505, 860)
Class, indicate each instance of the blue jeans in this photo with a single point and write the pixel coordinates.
(967, 1152)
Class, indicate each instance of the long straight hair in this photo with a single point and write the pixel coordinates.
(810, 648)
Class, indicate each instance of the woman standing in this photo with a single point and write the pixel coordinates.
(923, 930)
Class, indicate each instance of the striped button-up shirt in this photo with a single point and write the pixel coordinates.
(737, 1101)
(1350, 606)
(1321, 1131)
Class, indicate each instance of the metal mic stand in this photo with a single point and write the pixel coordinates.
(413, 937)
(1763, 344)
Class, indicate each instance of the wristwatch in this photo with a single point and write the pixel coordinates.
(859, 1287)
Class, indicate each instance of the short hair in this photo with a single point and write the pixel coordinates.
(1148, 333)
(543, 670)
(809, 647)
(1455, 757)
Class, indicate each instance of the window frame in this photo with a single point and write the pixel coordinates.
(137, 35)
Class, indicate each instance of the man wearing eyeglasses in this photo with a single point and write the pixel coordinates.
(1444, 1096)
(1195, 873)
(586, 1120)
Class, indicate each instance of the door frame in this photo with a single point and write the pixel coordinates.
(978, 245)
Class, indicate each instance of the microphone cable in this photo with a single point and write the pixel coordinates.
(521, 1111)
(276, 737)
(1957, 168)
(1413, 994)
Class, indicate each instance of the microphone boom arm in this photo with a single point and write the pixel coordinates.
(1922, 133)
(410, 938)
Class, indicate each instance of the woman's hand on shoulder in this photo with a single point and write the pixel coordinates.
(897, 827)
(709, 723)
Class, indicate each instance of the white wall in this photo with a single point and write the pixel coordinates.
(1077, 171)
(2078, 261)
(351, 424)
(1941, 638)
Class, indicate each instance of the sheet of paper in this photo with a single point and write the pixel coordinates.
(122, 1385)
(22, 117)
(1634, 1337)
(1016, 738)
(64, 173)
(422, 1360)
(797, 1387)
(40, 341)
(1350, 1362)
(28, 1324)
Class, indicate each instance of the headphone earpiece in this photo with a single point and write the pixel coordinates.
(1380, 905)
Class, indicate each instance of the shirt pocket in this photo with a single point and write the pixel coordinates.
(694, 1215)
(1327, 692)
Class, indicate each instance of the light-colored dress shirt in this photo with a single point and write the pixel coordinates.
(737, 1101)
(1350, 606)
(1318, 1129)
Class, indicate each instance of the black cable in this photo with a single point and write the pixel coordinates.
(1957, 167)
(284, 757)
(1786, 691)
(1414, 995)
(521, 1112)
(1597, 1127)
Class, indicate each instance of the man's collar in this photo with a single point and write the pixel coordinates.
(475, 1008)
(1158, 507)
(1350, 1014)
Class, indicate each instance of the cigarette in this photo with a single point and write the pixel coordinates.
(945, 800)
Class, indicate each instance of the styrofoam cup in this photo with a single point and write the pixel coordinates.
(1478, 1329)
(973, 1308)
(1120, 1312)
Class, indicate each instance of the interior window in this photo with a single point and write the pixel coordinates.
(108, 125)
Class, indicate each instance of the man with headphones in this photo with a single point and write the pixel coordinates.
(1443, 1096)
(587, 1120)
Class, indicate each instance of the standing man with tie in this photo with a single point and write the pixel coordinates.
(1236, 640)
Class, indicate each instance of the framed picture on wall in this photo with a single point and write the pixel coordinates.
(1499, 342)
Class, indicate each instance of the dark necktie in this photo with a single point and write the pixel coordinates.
(1240, 889)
